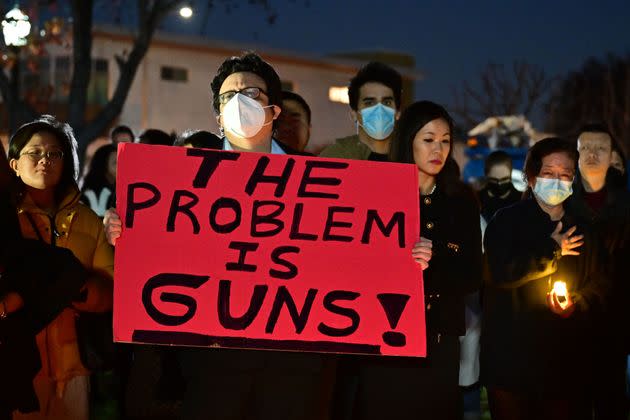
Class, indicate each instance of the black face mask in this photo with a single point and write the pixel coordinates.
(499, 187)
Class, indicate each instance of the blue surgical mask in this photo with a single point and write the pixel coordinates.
(378, 121)
(552, 191)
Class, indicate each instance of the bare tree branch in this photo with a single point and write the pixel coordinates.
(150, 14)
(598, 92)
(500, 92)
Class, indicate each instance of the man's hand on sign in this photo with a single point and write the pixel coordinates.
(422, 252)
(564, 307)
(567, 241)
(113, 226)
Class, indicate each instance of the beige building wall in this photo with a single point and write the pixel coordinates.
(177, 106)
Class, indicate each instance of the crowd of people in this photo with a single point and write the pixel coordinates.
(535, 311)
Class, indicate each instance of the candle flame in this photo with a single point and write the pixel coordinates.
(560, 290)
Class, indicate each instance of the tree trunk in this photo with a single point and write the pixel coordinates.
(81, 63)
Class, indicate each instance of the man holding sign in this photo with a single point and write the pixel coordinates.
(264, 283)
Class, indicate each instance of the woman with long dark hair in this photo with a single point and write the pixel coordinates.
(450, 254)
(545, 285)
(43, 157)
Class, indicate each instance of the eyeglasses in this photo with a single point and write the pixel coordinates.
(250, 92)
(52, 156)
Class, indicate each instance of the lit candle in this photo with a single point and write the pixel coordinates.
(560, 290)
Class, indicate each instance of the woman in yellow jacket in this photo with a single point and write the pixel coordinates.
(43, 156)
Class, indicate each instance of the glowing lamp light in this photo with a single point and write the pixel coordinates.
(339, 94)
(15, 28)
(560, 289)
(186, 12)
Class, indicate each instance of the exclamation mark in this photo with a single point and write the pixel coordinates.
(393, 304)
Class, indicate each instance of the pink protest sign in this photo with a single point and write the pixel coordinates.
(248, 250)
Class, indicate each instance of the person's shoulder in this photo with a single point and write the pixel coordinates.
(346, 147)
(85, 218)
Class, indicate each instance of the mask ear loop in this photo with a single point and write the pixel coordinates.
(276, 114)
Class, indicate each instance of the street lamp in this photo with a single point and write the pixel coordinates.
(16, 29)
(186, 12)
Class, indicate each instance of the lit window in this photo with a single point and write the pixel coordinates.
(338, 94)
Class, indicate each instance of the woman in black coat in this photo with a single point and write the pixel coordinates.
(536, 338)
(450, 254)
(36, 283)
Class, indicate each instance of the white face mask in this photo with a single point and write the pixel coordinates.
(244, 116)
(552, 191)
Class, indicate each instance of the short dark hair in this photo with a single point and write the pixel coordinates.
(155, 136)
(412, 119)
(545, 147)
(378, 72)
(602, 128)
(249, 62)
(292, 96)
(121, 129)
(498, 157)
(64, 134)
(594, 128)
(198, 138)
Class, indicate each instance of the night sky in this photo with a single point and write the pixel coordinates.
(450, 40)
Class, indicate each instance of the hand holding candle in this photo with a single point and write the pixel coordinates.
(559, 300)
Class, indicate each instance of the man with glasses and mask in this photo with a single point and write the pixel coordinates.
(245, 384)
(247, 100)
(375, 95)
(499, 191)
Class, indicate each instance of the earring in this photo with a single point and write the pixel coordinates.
(221, 131)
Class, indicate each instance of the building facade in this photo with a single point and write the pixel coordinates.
(171, 89)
